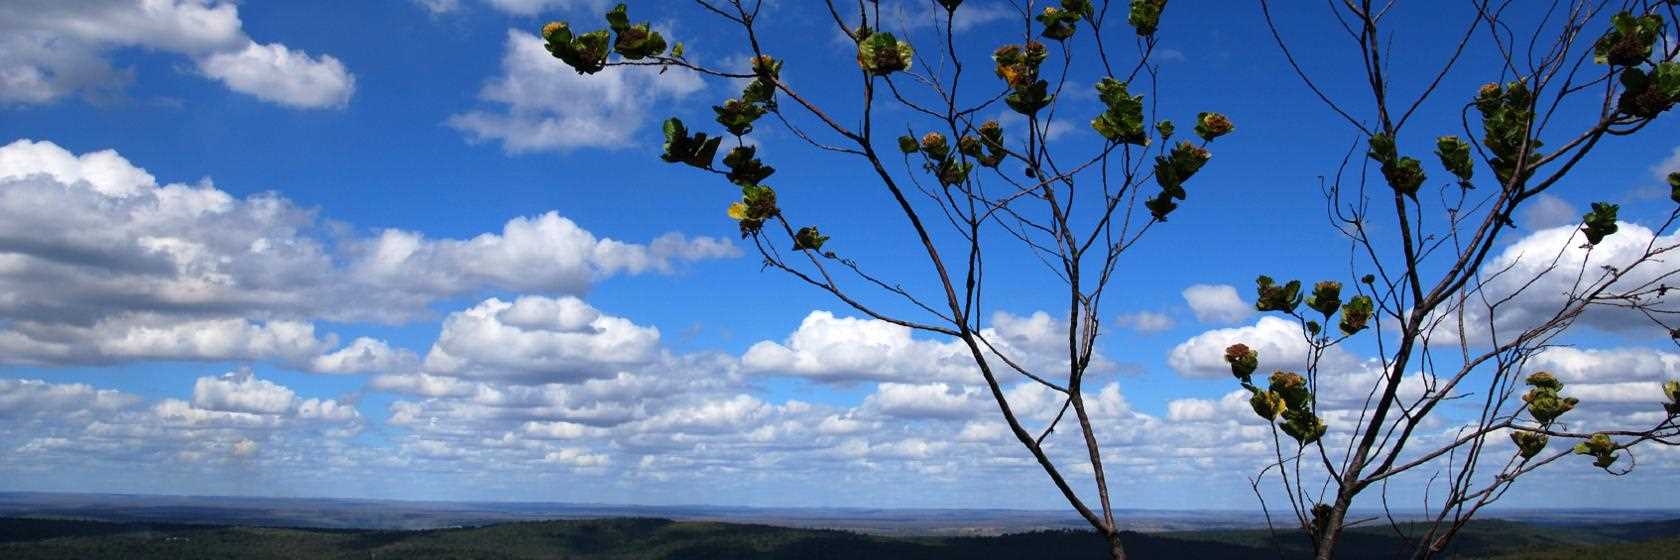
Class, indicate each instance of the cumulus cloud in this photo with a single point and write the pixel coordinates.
(847, 349)
(237, 416)
(57, 48)
(280, 75)
(1217, 303)
(1281, 344)
(536, 338)
(100, 263)
(539, 104)
(1538, 274)
(242, 392)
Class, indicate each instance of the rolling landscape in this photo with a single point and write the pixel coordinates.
(63, 526)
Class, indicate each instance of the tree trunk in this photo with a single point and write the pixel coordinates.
(1114, 550)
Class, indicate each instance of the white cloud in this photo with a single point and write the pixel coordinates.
(1281, 344)
(242, 392)
(1147, 321)
(541, 104)
(846, 349)
(365, 355)
(930, 400)
(99, 263)
(56, 48)
(536, 338)
(1536, 276)
(280, 75)
(1217, 303)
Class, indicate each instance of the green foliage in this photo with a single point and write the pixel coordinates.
(1600, 222)
(1266, 404)
(1601, 448)
(881, 53)
(634, 42)
(1166, 129)
(1403, 174)
(1674, 187)
(1293, 388)
(987, 149)
(762, 90)
(1273, 297)
(1302, 425)
(1018, 66)
(745, 168)
(1455, 156)
(808, 238)
(1058, 23)
(1671, 391)
(696, 150)
(1506, 116)
(1545, 403)
(935, 146)
(1171, 171)
(1326, 298)
(1529, 444)
(1647, 95)
(1123, 121)
(1145, 15)
(907, 144)
(738, 116)
(1629, 40)
(1243, 360)
(1356, 315)
(1213, 125)
(757, 204)
(586, 53)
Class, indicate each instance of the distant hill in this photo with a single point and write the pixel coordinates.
(642, 538)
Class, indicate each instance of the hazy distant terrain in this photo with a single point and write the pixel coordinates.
(376, 514)
(30, 539)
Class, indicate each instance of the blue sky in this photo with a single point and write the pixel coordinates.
(390, 249)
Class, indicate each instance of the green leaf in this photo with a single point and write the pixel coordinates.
(1293, 388)
(1600, 222)
(738, 116)
(1544, 398)
(696, 150)
(1213, 125)
(808, 238)
(881, 53)
(1326, 298)
(1243, 360)
(1266, 404)
(1273, 297)
(1123, 121)
(1030, 99)
(1058, 23)
(745, 168)
(907, 144)
(1455, 156)
(1304, 426)
(1529, 444)
(1356, 315)
(586, 53)
(1599, 446)
(1166, 129)
(1629, 40)
(1674, 186)
(1145, 15)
